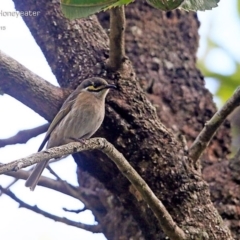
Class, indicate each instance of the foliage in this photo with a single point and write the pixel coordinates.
(83, 8)
(227, 82)
(200, 5)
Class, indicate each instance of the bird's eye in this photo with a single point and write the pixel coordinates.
(93, 88)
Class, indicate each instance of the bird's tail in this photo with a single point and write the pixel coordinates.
(33, 179)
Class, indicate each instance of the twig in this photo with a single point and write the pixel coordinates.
(87, 227)
(183, 142)
(75, 211)
(60, 186)
(24, 135)
(84, 195)
(117, 39)
(9, 185)
(165, 219)
(16, 179)
(53, 173)
(204, 137)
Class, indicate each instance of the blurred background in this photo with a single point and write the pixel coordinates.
(218, 59)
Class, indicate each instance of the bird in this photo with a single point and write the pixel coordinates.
(79, 118)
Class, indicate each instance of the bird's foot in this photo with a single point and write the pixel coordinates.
(82, 140)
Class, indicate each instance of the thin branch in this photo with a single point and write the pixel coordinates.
(167, 224)
(16, 178)
(60, 186)
(53, 173)
(165, 219)
(24, 135)
(10, 185)
(87, 227)
(205, 136)
(75, 211)
(117, 38)
(183, 142)
(84, 195)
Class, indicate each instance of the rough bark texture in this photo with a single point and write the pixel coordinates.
(24, 85)
(65, 43)
(162, 48)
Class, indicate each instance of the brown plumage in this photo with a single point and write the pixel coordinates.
(79, 118)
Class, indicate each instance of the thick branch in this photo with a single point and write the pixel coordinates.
(22, 84)
(87, 227)
(166, 222)
(24, 135)
(203, 139)
(117, 38)
(86, 42)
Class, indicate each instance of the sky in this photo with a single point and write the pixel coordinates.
(17, 42)
(222, 26)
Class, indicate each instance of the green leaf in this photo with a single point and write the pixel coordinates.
(118, 4)
(227, 86)
(165, 5)
(228, 83)
(196, 5)
(238, 8)
(83, 8)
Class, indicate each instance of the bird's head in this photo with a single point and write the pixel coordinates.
(97, 86)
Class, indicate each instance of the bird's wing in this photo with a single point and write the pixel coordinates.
(65, 109)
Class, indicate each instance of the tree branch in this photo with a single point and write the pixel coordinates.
(53, 173)
(60, 186)
(85, 195)
(87, 227)
(22, 84)
(24, 135)
(205, 136)
(87, 38)
(166, 222)
(9, 185)
(117, 38)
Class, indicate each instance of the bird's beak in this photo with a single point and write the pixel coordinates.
(111, 86)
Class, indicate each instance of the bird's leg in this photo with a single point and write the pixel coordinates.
(82, 139)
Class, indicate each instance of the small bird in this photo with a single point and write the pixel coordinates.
(79, 118)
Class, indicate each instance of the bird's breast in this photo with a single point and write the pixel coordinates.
(82, 121)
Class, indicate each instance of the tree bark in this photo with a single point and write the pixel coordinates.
(162, 48)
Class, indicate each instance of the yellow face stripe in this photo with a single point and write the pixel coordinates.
(95, 89)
